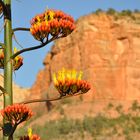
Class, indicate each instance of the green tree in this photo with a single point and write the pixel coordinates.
(126, 13)
(111, 11)
(98, 11)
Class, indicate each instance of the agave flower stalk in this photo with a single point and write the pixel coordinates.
(8, 98)
(45, 27)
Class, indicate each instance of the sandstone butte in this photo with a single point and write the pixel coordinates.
(106, 50)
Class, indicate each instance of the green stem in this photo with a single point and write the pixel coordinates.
(8, 98)
(12, 132)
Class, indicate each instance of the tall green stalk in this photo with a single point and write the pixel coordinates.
(8, 97)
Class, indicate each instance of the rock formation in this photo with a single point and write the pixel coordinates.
(106, 50)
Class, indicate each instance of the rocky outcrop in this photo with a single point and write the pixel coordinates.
(106, 50)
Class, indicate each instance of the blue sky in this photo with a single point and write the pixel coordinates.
(24, 10)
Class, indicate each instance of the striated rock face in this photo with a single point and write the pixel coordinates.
(107, 51)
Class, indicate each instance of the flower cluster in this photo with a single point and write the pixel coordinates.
(55, 23)
(17, 62)
(68, 82)
(33, 137)
(30, 136)
(16, 113)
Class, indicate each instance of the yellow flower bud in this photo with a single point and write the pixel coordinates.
(15, 49)
(51, 15)
(30, 132)
(80, 75)
(73, 74)
(55, 79)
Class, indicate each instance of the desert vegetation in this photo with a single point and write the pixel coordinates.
(133, 15)
(126, 126)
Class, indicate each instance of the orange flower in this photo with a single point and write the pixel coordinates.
(51, 22)
(30, 136)
(16, 113)
(69, 82)
(1, 54)
(17, 62)
(34, 137)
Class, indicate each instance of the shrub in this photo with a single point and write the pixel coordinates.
(111, 11)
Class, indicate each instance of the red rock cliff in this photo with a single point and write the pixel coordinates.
(107, 51)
